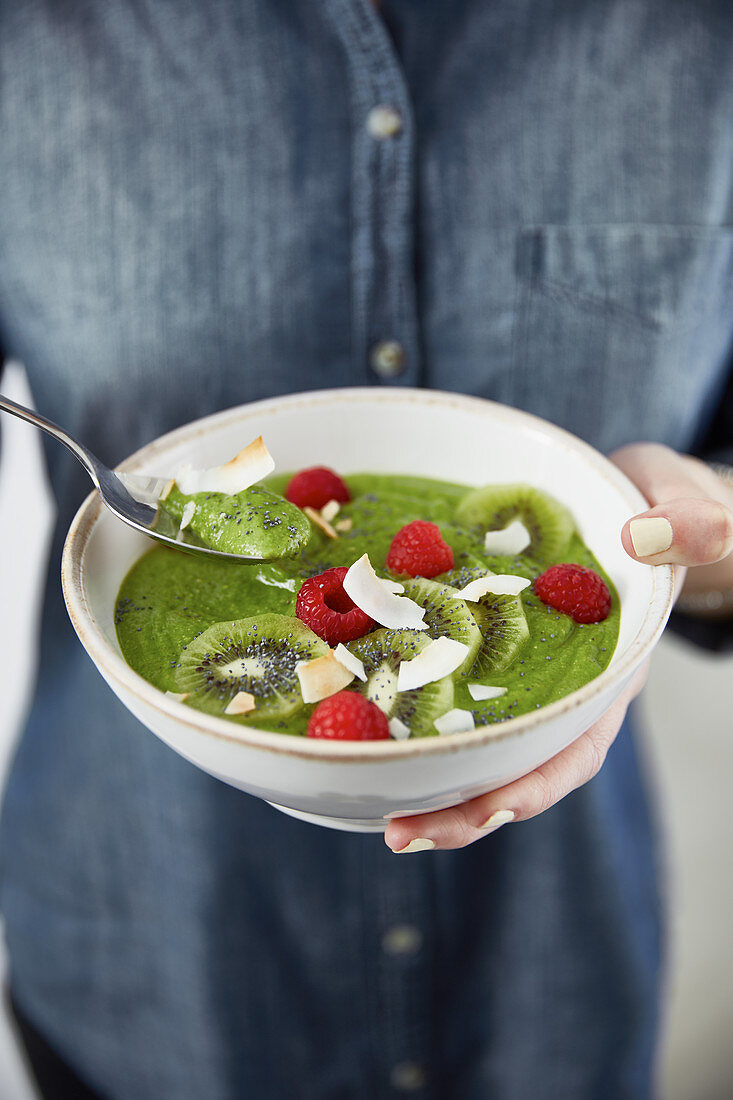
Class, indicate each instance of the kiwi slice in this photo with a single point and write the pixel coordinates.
(258, 655)
(446, 616)
(493, 508)
(501, 620)
(465, 571)
(504, 630)
(381, 653)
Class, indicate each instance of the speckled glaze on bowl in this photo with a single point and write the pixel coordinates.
(353, 785)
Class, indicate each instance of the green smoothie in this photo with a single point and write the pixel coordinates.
(169, 597)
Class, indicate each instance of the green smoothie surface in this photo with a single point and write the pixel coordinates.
(169, 597)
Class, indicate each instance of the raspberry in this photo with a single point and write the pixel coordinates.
(348, 716)
(419, 550)
(324, 606)
(314, 488)
(576, 591)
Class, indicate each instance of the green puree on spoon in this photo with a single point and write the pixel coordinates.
(224, 509)
(255, 523)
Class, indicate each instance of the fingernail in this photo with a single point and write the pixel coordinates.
(500, 817)
(419, 844)
(650, 536)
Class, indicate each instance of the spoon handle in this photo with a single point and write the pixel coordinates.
(89, 461)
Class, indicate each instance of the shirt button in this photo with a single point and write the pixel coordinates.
(388, 358)
(402, 939)
(384, 122)
(408, 1077)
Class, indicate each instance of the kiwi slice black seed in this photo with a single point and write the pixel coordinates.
(381, 653)
(446, 616)
(257, 655)
(493, 508)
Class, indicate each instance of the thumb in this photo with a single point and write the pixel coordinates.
(684, 531)
(691, 521)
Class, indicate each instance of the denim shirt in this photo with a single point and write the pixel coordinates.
(199, 206)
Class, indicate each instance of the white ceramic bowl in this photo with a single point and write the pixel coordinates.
(354, 785)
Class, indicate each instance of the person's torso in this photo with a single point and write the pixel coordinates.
(197, 211)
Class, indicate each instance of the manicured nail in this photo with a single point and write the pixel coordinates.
(419, 844)
(650, 536)
(500, 817)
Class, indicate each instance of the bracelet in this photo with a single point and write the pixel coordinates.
(715, 600)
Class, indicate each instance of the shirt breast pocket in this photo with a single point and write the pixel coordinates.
(622, 331)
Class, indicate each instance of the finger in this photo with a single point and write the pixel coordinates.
(690, 521)
(683, 531)
(525, 798)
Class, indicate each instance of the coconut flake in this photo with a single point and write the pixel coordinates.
(330, 510)
(319, 521)
(189, 509)
(345, 524)
(500, 584)
(379, 599)
(165, 491)
(241, 703)
(512, 540)
(439, 658)
(179, 696)
(454, 721)
(398, 730)
(321, 677)
(246, 468)
(392, 586)
(348, 660)
(485, 691)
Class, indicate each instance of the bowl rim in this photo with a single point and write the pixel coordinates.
(118, 671)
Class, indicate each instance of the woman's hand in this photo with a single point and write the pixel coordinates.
(692, 514)
(690, 525)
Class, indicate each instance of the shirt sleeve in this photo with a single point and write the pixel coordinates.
(717, 444)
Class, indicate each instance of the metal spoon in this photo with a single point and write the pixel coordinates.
(132, 498)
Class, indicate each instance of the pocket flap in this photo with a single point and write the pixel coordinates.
(661, 276)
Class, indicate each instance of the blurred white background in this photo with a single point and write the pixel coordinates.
(690, 747)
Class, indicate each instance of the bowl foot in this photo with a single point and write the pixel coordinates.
(346, 824)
